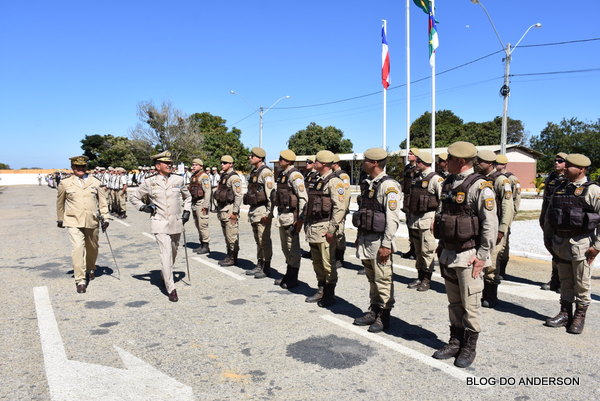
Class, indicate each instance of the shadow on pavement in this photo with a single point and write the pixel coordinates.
(154, 277)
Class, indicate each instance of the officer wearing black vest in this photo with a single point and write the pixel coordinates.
(228, 196)
(572, 221)
(407, 178)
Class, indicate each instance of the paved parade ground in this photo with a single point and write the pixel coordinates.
(233, 337)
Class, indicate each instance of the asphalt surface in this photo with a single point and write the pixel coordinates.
(233, 337)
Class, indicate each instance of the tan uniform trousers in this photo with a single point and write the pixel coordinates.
(122, 196)
(290, 245)
(425, 247)
(84, 243)
(340, 237)
(492, 272)
(464, 297)
(262, 236)
(201, 223)
(167, 246)
(322, 255)
(504, 255)
(575, 281)
(231, 232)
(381, 283)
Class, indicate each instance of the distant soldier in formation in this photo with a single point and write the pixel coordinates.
(340, 240)
(121, 193)
(377, 220)
(572, 224)
(169, 207)
(407, 177)
(505, 209)
(260, 214)
(443, 165)
(200, 191)
(423, 204)
(81, 209)
(290, 199)
(215, 178)
(324, 213)
(228, 196)
(467, 228)
(553, 181)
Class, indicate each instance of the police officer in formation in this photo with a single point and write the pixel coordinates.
(505, 209)
(377, 220)
(340, 240)
(290, 198)
(407, 177)
(81, 209)
(228, 197)
(443, 165)
(169, 208)
(515, 184)
(571, 224)
(424, 202)
(200, 191)
(258, 196)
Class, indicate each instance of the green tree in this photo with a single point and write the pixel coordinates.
(315, 138)
(447, 130)
(108, 150)
(4, 166)
(569, 136)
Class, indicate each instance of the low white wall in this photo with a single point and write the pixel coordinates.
(21, 179)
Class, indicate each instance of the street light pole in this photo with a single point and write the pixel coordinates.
(505, 90)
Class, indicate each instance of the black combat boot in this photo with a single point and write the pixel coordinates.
(467, 353)
(318, 295)
(228, 261)
(290, 279)
(564, 316)
(489, 298)
(382, 322)
(369, 317)
(339, 258)
(502, 269)
(266, 270)
(451, 349)
(576, 327)
(410, 254)
(554, 283)
(417, 282)
(328, 298)
(204, 249)
(257, 269)
(425, 282)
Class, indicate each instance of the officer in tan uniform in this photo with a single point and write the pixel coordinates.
(443, 165)
(467, 228)
(228, 196)
(200, 191)
(121, 193)
(80, 207)
(340, 240)
(572, 223)
(290, 198)
(260, 185)
(506, 211)
(325, 211)
(515, 184)
(166, 194)
(407, 178)
(377, 220)
(424, 202)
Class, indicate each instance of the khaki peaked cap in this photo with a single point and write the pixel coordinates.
(163, 157)
(375, 154)
(79, 160)
(462, 150)
(325, 156)
(227, 159)
(443, 156)
(579, 160)
(414, 151)
(288, 155)
(198, 161)
(562, 155)
(501, 159)
(487, 156)
(336, 158)
(260, 152)
(424, 156)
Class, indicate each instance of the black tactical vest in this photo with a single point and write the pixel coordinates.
(320, 205)
(256, 195)
(284, 196)
(370, 216)
(421, 200)
(195, 186)
(224, 194)
(569, 214)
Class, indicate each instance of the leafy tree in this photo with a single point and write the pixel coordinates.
(4, 166)
(569, 136)
(315, 138)
(108, 150)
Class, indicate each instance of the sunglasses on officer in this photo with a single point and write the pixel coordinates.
(559, 160)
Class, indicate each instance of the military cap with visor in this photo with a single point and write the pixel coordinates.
(227, 159)
(163, 157)
(260, 152)
(325, 156)
(424, 156)
(79, 160)
(501, 159)
(198, 161)
(288, 155)
(578, 160)
(486, 155)
(375, 154)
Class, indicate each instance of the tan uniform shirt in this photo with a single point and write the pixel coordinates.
(296, 179)
(234, 182)
(390, 196)
(204, 180)
(504, 191)
(482, 199)
(516, 190)
(266, 179)
(315, 233)
(423, 221)
(78, 202)
(168, 194)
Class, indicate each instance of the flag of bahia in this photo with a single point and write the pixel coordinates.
(385, 59)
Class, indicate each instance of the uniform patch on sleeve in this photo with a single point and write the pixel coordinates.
(441, 179)
(341, 191)
(508, 195)
(489, 203)
(301, 188)
(299, 181)
(390, 190)
(507, 187)
(488, 192)
(485, 184)
(392, 201)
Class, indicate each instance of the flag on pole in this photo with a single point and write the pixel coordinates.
(385, 59)
(434, 42)
(424, 5)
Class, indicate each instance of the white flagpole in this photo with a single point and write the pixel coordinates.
(433, 98)
(385, 96)
(407, 80)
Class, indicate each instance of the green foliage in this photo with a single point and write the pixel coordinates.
(569, 136)
(4, 166)
(539, 184)
(595, 175)
(315, 138)
(217, 144)
(116, 151)
(395, 167)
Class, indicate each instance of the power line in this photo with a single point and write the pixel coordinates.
(561, 43)
(556, 72)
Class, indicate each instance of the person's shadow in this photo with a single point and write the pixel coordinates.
(155, 278)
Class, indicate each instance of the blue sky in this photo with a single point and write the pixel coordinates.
(73, 68)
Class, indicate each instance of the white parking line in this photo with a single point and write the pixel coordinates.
(450, 370)
(122, 222)
(219, 268)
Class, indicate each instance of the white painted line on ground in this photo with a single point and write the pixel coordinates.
(450, 370)
(148, 235)
(219, 268)
(122, 222)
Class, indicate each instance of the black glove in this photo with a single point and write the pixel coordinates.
(104, 225)
(59, 224)
(151, 208)
(185, 216)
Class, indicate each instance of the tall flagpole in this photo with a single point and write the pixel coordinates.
(433, 96)
(407, 80)
(385, 97)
